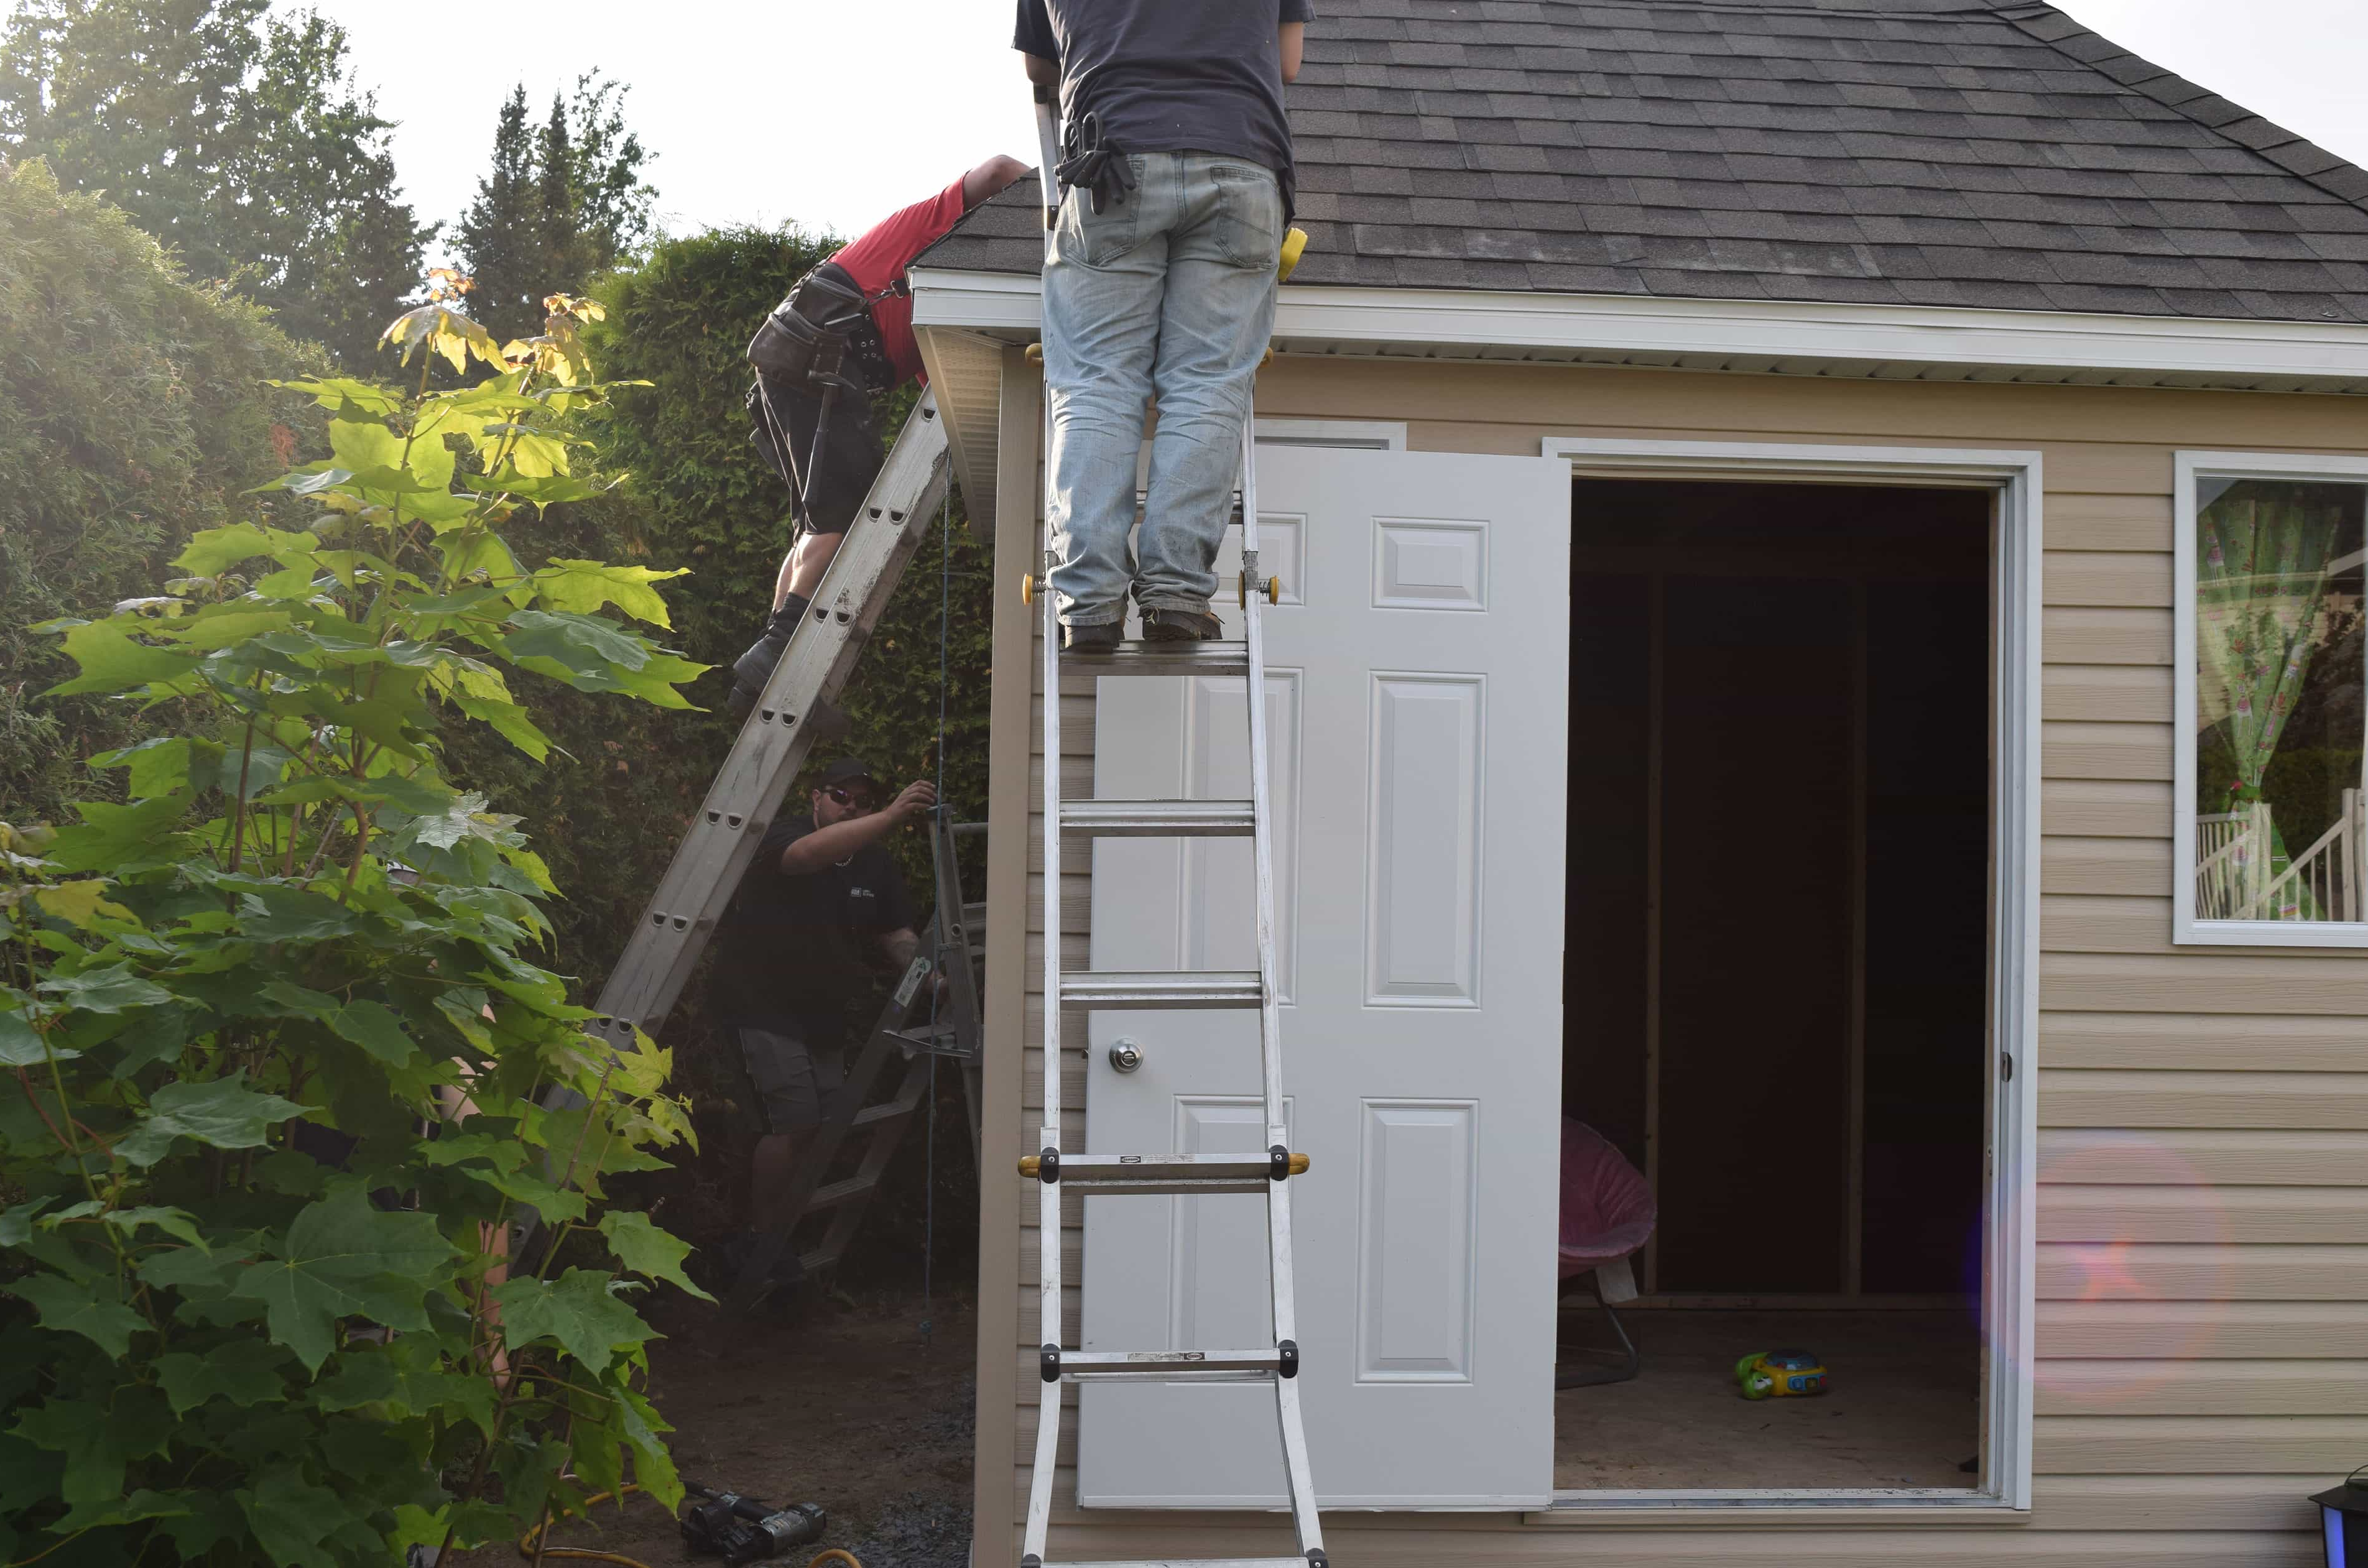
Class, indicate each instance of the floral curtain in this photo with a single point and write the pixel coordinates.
(2261, 588)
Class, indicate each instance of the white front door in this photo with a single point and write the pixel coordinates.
(1416, 689)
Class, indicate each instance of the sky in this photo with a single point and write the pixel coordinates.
(835, 112)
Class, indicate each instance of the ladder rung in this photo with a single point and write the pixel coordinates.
(839, 1192)
(1167, 1366)
(1159, 1167)
(887, 1111)
(1165, 1187)
(1155, 1175)
(1158, 819)
(1222, 657)
(1191, 1562)
(1161, 988)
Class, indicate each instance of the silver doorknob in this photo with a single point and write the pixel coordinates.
(1125, 1055)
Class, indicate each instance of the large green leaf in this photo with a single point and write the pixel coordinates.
(244, 1371)
(343, 1257)
(110, 837)
(20, 1043)
(92, 1308)
(212, 550)
(582, 642)
(99, 1440)
(291, 1517)
(582, 587)
(640, 1246)
(221, 1111)
(292, 915)
(580, 1311)
(377, 1029)
(105, 988)
(362, 442)
(113, 659)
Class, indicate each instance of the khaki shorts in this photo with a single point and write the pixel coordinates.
(792, 1083)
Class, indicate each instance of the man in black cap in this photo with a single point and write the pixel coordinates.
(821, 899)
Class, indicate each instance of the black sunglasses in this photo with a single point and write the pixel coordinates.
(846, 797)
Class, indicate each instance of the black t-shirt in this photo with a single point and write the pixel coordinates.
(804, 946)
(1172, 75)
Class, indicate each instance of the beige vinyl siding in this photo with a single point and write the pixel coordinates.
(2202, 1233)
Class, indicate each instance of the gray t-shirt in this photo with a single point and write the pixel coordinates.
(1172, 75)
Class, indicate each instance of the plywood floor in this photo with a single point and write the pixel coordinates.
(1901, 1411)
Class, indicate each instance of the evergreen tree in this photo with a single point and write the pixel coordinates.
(613, 202)
(500, 236)
(235, 136)
(559, 205)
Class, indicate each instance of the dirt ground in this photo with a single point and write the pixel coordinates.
(839, 1403)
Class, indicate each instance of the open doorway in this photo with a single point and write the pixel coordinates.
(1776, 969)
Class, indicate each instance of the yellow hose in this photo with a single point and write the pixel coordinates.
(528, 1549)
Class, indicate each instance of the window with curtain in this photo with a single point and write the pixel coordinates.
(2276, 737)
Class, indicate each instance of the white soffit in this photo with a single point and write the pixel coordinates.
(1758, 337)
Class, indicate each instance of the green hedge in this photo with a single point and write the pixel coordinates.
(132, 412)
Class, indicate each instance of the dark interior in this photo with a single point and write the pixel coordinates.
(1821, 660)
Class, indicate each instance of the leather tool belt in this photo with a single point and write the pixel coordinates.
(820, 334)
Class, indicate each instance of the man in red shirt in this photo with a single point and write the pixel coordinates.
(844, 334)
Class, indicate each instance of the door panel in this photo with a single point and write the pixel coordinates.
(1415, 690)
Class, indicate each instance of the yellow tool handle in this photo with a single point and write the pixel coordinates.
(1294, 243)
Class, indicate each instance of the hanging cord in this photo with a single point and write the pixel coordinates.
(929, 1135)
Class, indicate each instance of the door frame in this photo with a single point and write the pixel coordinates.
(2011, 1187)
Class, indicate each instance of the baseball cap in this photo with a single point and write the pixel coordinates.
(848, 768)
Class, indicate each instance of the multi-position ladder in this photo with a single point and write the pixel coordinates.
(1114, 1176)
(922, 1021)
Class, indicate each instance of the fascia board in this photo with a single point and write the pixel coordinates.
(1762, 331)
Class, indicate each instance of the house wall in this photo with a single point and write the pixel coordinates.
(2202, 1314)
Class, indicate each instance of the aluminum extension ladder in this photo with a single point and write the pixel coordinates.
(773, 744)
(1106, 1176)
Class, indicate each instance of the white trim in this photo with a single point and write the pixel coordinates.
(2009, 1281)
(1364, 435)
(1918, 342)
(2186, 929)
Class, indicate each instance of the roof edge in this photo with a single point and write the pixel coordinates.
(2297, 155)
(1763, 336)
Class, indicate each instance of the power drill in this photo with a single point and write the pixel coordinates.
(740, 1529)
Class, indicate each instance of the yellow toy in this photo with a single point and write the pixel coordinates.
(1779, 1374)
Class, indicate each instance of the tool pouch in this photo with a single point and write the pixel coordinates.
(819, 322)
(1094, 164)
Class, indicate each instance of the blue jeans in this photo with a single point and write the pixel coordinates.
(1168, 294)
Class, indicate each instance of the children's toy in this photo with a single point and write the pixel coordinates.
(1779, 1374)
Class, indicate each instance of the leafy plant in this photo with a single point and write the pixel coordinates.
(277, 1068)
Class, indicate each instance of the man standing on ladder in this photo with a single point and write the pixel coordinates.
(820, 898)
(844, 334)
(1160, 283)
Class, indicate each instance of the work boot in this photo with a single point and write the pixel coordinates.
(1099, 638)
(1165, 625)
(752, 669)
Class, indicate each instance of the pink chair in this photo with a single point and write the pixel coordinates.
(1607, 1213)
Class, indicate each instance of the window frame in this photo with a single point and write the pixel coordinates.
(2186, 930)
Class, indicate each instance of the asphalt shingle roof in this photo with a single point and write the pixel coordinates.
(1876, 151)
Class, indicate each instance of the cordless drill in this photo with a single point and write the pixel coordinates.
(740, 1529)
